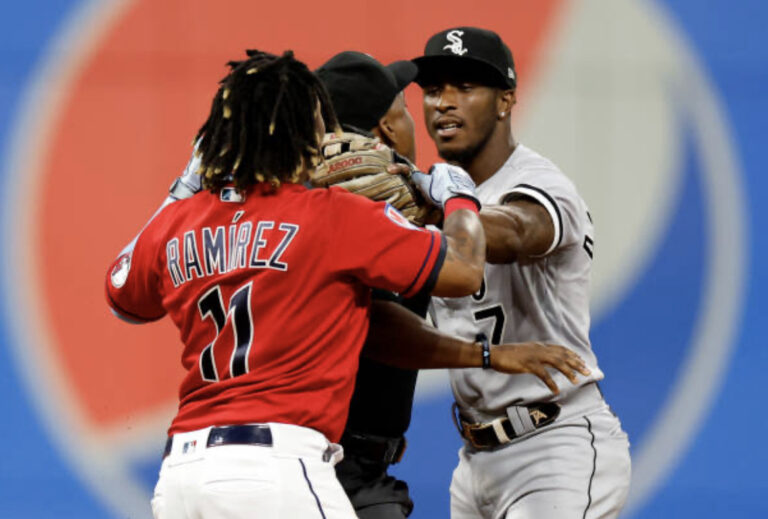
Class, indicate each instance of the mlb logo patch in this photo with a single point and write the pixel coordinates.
(230, 194)
(189, 447)
(395, 215)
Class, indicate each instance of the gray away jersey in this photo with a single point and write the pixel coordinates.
(544, 300)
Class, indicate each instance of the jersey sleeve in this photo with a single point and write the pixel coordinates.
(557, 194)
(380, 247)
(133, 281)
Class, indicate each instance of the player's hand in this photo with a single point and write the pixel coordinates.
(189, 182)
(435, 214)
(444, 182)
(535, 358)
(398, 168)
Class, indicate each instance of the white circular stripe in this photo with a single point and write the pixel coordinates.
(599, 108)
(98, 459)
(715, 331)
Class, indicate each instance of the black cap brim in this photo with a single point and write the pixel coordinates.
(404, 71)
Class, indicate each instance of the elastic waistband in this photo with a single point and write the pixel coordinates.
(282, 439)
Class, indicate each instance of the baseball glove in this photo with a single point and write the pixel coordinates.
(359, 164)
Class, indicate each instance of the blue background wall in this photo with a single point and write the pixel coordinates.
(720, 470)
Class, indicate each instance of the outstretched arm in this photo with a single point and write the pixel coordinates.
(400, 338)
(516, 230)
(184, 186)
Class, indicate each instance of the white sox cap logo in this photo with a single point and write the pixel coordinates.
(457, 45)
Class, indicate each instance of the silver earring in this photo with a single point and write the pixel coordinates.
(502, 114)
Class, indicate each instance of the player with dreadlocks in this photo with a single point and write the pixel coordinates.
(268, 283)
(247, 140)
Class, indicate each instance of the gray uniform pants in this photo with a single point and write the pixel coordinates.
(575, 468)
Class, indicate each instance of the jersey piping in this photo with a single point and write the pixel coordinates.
(545, 200)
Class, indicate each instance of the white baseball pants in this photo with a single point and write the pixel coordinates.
(576, 468)
(294, 477)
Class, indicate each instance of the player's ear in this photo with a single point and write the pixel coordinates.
(505, 101)
(386, 132)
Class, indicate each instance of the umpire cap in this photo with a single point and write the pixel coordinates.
(478, 51)
(362, 89)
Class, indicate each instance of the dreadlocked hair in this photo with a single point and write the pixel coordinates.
(261, 127)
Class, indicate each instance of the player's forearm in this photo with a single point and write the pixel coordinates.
(400, 338)
(503, 235)
(516, 230)
(464, 265)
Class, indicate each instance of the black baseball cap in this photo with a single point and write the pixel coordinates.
(478, 51)
(362, 89)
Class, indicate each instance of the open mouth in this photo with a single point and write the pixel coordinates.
(446, 128)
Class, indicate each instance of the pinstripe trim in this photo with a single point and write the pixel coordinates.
(594, 467)
(309, 484)
(544, 199)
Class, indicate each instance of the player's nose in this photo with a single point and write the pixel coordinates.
(446, 99)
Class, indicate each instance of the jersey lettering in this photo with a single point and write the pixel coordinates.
(174, 269)
(191, 258)
(258, 244)
(232, 233)
(290, 232)
(214, 251)
(243, 238)
(241, 248)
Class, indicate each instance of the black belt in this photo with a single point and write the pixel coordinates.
(233, 435)
(485, 435)
(378, 449)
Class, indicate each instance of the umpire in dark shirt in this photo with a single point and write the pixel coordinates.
(368, 98)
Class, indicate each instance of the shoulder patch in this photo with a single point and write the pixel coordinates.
(120, 271)
(397, 217)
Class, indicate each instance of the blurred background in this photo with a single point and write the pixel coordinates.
(657, 109)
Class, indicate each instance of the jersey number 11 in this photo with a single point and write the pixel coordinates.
(211, 305)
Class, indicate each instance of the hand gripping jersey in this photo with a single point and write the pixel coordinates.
(544, 300)
(270, 294)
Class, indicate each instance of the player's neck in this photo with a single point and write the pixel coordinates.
(491, 157)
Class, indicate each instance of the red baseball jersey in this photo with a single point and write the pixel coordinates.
(270, 293)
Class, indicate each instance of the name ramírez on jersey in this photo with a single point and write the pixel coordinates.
(206, 252)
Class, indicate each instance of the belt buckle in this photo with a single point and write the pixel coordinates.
(468, 430)
(465, 428)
